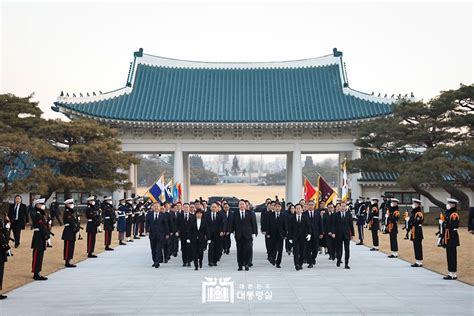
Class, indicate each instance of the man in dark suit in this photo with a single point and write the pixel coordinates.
(18, 217)
(185, 222)
(228, 217)
(159, 232)
(277, 232)
(328, 227)
(344, 230)
(299, 231)
(215, 232)
(312, 246)
(243, 225)
(54, 212)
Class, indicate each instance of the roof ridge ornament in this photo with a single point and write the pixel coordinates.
(336, 53)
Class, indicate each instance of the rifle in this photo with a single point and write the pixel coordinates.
(406, 227)
(440, 232)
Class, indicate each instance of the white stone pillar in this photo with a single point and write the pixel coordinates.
(354, 185)
(178, 165)
(132, 178)
(297, 179)
(186, 178)
(289, 178)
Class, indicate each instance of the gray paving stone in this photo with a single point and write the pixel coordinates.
(123, 282)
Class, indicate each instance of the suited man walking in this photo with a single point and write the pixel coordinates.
(277, 232)
(17, 214)
(312, 246)
(344, 230)
(243, 225)
(215, 232)
(159, 232)
(299, 231)
(185, 222)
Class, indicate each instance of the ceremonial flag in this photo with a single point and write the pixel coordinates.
(324, 192)
(169, 191)
(344, 184)
(155, 193)
(175, 192)
(309, 190)
(180, 191)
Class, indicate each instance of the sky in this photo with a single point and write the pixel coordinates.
(401, 47)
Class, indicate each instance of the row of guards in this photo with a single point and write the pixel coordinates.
(169, 192)
(323, 191)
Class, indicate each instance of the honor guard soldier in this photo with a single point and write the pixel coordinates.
(373, 221)
(136, 217)
(108, 215)
(122, 221)
(71, 228)
(392, 226)
(128, 219)
(40, 235)
(415, 225)
(93, 222)
(361, 216)
(451, 237)
(4, 251)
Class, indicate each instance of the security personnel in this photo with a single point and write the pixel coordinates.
(374, 224)
(392, 226)
(416, 232)
(71, 228)
(451, 237)
(40, 235)
(93, 222)
(108, 215)
(361, 215)
(4, 251)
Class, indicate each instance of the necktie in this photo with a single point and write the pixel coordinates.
(16, 211)
(186, 217)
(156, 217)
(213, 216)
(277, 214)
(342, 214)
(311, 214)
(299, 221)
(242, 215)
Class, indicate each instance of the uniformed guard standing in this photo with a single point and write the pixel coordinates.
(361, 215)
(40, 235)
(416, 232)
(93, 222)
(4, 251)
(451, 237)
(136, 217)
(71, 228)
(122, 221)
(108, 215)
(392, 226)
(129, 219)
(373, 221)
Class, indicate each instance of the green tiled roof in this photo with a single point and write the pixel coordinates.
(162, 93)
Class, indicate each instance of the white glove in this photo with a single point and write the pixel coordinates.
(99, 229)
(115, 225)
(308, 237)
(188, 241)
(290, 241)
(79, 218)
(254, 235)
(208, 242)
(49, 242)
(440, 222)
(9, 253)
(50, 222)
(7, 225)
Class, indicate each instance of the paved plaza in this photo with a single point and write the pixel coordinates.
(123, 282)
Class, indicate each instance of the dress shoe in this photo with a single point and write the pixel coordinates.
(239, 269)
(416, 265)
(157, 265)
(121, 243)
(39, 278)
(250, 264)
(297, 268)
(346, 267)
(246, 268)
(136, 237)
(189, 264)
(373, 249)
(200, 264)
(448, 277)
(70, 265)
(310, 266)
(278, 266)
(2, 297)
(184, 264)
(130, 240)
(338, 264)
(196, 268)
(91, 256)
(359, 243)
(392, 256)
(109, 249)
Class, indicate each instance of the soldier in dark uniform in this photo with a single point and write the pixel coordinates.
(108, 215)
(299, 231)
(373, 221)
(93, 222)
(128, 218)
(71, 228)
(54, 212)
(361, 216)
(451, 237)
(185, 221)
(4, 251)
(121, 224)
(40, 235)
(416, 232)
(136, 217)
(142, 218)
(392, 227)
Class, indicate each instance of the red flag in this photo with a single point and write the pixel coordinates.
(324, 193)
(309, 190)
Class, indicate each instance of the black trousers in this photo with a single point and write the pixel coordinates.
(298, 252)
(276, 249)
(312, 249)
(244, 247)
(128, 228)
(2, 271)
(268, 245)
(15, 228)
(375, 237)
(197, 250)
(360, 230)
(91, 237)
(37, 263)
(174, 244)
(288, 245)
(156, 246)
(393, 242)
(166, 249)
(340, 242)
(250, 256)
(107, 237)
(330, 245)
(135, 229)
(227, 243)
(452, 257)
(68, 251)
(186, 251)
(213, 254)
(417, 246)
